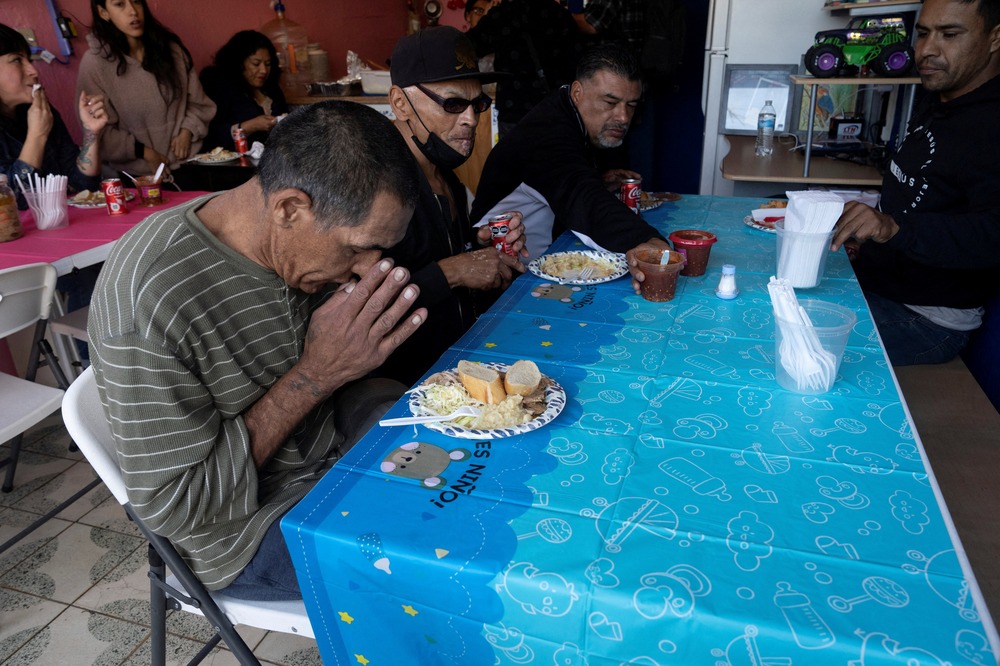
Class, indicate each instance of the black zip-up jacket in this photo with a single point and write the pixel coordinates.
(549, 151)
(943, 189)
(430, 237)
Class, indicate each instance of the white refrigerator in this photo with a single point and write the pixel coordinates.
(750, 32)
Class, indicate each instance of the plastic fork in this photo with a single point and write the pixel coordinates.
(584, 273)
(464, 410)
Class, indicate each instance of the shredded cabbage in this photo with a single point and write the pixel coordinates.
(444, 399)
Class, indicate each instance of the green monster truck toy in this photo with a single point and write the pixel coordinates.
(879, 43)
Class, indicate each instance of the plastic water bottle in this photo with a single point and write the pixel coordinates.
(765, 130)
(292, 44)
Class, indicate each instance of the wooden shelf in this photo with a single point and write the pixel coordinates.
(871, 8)
(806, 80)
(785, 166)
(305, 100)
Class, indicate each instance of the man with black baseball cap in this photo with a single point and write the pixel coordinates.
(437, 98)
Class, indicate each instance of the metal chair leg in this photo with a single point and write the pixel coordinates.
(51, 514)
(11, 463)
(157, 610)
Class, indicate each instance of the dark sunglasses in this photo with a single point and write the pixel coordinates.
(457, 104)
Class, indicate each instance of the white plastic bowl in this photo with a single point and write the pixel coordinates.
(375, 82)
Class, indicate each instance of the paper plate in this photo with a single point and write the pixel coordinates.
(616, 261)
(762, 226)
(206, 159)
(657, 199)
(96, 200)
(555, 400)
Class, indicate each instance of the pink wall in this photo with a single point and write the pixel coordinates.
(370, 28)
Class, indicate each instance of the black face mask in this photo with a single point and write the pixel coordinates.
(440, 153)
(436, 150)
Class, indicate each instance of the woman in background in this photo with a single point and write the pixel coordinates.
(33, 137)
(243, 83)
(157, 110)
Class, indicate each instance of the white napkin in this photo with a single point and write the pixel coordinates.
(809, 219)
(812, 211)
(256, 150)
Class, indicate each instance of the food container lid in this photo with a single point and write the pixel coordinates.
(692, 237)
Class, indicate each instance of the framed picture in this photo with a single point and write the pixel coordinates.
(837, 101)
(748, 87)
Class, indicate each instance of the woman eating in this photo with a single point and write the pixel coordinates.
(244, 86)
(33, 137)
(157, 110)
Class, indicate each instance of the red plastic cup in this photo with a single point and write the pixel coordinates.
(697, 245)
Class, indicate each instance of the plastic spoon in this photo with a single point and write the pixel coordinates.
(159, 172)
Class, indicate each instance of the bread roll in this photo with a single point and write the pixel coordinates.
(482, 383)
(522, 378)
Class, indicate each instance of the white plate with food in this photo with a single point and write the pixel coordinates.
(88, 199)
(651, 200)
(217, 156)
(566, 267)
(512, 399)
(764, 218)
(767, 224)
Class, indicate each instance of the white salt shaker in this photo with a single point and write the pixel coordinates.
(727, 283)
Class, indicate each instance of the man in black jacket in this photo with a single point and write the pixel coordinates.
(933, 258)
(437, 98)
(553, 167)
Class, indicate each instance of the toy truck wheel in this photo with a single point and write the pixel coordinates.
(824, 60)
(894, 60)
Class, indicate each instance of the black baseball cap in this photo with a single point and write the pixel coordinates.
(442, 53)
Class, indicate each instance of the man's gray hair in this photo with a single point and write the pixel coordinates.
(614, 57)
(342, 154)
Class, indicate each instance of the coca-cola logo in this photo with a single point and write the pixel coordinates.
(633, 193)
(114, 190)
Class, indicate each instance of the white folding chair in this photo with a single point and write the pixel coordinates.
(69, 327)
(25, 301)
(87, 424)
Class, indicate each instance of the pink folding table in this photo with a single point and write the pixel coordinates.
(86, 241)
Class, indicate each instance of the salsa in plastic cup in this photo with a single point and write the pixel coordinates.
(697, 245)
(659, 280)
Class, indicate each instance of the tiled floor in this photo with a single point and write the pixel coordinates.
(75, 591)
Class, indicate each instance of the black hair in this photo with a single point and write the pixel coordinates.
(614, 57)
(158, 58)
(11, 41)
(230, 58)
(341, 154)
(989, 10)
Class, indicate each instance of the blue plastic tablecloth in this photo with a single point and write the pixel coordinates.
(682, 509)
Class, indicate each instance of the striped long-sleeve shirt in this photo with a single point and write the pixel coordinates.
(186, 334)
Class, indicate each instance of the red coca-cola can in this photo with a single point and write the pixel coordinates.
(114, 196)
(240, 140)
(499, 228)
(631, 193)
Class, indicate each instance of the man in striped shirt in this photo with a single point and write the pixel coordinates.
(226, 364)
